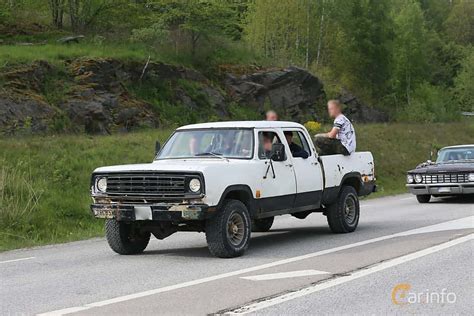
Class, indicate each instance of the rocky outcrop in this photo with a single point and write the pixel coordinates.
(360, 112)
(293, 92)
(100, 96)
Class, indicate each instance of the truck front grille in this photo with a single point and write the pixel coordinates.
(446, 178)
(158, 185)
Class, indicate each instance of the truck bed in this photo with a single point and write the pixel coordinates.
(337, 166)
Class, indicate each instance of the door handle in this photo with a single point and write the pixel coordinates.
(289, 165)
(314, 163)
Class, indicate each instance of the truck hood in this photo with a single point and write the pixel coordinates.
(185, 165)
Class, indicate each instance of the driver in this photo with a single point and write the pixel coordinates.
(295, 149)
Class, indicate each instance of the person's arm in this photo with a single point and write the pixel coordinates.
(333, 132)
(298, 152)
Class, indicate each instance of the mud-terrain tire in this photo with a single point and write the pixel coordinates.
(228, 231)
(343, 215)
(124, 239)
(262, 225)
(423, 198)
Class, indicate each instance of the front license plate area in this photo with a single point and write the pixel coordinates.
(104, 213)
(444, 190)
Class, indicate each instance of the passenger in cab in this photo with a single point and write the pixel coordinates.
(341, 139)
(295, 149)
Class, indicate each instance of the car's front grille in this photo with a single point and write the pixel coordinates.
(159, 185)
(445, 178)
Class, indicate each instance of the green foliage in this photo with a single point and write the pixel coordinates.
(460, 22)
(430, 104)
(464, 83)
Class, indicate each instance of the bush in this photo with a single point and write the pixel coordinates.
(429, 104)
(312, 127)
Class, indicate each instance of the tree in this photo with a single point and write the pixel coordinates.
(57, 12)
(463, 83)
(460, 23)
(188, 23)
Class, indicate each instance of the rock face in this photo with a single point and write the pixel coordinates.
(101, 96)
(360, 112)
(293, 92)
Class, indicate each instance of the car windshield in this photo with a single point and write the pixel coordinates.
(218, 143)
(448, 155)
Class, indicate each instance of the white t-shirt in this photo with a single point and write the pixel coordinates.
(345, 132)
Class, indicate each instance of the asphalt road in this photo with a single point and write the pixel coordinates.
(299, 267)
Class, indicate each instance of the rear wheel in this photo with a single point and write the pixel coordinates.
(228, 232)
(423, 198)
(125, 238)
(343, 215)
(263, 224)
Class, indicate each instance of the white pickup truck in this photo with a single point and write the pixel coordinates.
(227, 179)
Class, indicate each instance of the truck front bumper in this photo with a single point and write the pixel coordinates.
(441, 188)
(155, 212)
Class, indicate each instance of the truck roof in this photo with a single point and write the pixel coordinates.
(243, 124)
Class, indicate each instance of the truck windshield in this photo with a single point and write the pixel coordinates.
(456, 154)
(219, 143)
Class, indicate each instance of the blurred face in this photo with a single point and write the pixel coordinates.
(271, 116)
(333, 110)
(267, 144)
(289, 138)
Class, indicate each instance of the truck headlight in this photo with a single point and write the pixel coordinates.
(418, 178)
(471, 177)
(102, 184)
(410, 178)
(195, 185)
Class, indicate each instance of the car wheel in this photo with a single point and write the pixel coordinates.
(228, 232)
(124, 238)
(343, 215)
(423, 198)
(263, 224)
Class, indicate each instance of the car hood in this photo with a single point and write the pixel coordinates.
(178, 165)
(445, 167)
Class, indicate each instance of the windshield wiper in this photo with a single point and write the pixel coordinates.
(210, 153)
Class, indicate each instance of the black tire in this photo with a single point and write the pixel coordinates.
(343, 215)
(124, 239)
(263, 224)
(423, 198)
(228, 231)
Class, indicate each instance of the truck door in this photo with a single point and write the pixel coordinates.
(309, 178)
(278, 184)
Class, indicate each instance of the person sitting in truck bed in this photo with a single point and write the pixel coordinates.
(341, 139)
(296, 150)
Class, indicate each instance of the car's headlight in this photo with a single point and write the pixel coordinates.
(410, 178)
(418, 178)
(195, 185)
(102, 184)
(471, 177)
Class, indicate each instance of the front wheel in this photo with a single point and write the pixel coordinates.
(228, 231)
(423, 198)
(125, 238)
(343, 215)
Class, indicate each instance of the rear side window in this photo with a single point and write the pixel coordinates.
(298, 138)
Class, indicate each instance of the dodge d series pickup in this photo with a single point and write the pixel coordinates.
(227, 179)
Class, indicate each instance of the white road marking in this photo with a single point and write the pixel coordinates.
(283, 275)
(251, 308)
(250, 269)
(407, 198)
(15, 260)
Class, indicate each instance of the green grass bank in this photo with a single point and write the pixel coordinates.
(44, 181)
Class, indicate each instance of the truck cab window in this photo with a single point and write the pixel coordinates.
(265, 142)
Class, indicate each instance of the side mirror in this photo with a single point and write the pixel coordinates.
(157, 147)
(278, 152)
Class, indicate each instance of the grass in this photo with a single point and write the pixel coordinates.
(57, 53)
(50, 199)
